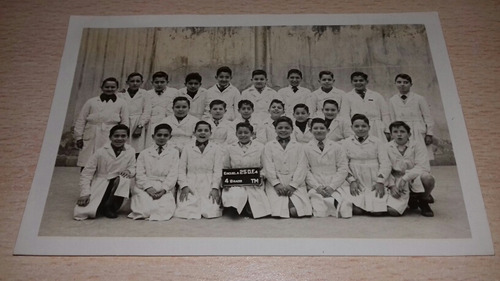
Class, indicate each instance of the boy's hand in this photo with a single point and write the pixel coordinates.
(151, 192)
(289, 190)
(79, 144)
(159, 194)
(354, 188)
(215, 195)
(401, 186)
(328, 191)
(125, 174)
(280, 189)
(83, 201)
(184, 193)
(428, 140)
(137, 132)
(379, 190)
(394, 192)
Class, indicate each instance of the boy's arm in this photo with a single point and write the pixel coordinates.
(346, 128)
(208, 99)
(299, 175)
(81, 121)
(141, 177)
(146, 110)
(426, 114)
(384, 113)
(311, 180)
(384, 163)
(269, 168)
(392, 113)
(421, 163)
(124, 114)
(173, 171)
(182, 178)
(345, 109)
(88, 174)
(342, 169)
(217, 172)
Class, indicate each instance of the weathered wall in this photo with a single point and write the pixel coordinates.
(382, 51)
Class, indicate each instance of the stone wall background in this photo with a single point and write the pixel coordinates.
(381, 51)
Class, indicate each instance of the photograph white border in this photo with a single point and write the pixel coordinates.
(29, 243)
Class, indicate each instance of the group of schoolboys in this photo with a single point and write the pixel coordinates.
(177, 152)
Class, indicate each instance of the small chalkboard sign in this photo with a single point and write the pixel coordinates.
(241, 177)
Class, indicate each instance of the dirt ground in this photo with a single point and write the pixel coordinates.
(450, 220)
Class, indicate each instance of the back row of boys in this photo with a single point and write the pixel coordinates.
(223, 107)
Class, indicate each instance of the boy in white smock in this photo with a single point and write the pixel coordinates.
(246, 111)
(200, 172)
(276, 110)
(139, 108)
(222, 129)
(410, 170)
(285, 169)
(361, 100)
(326, 91)
(153, 196)
(197, 96)
(260, 94)
(105, 180)
(182, 123)
(96, 118)
(225, 91)
(339, 127)
(294, 93)
(161, 98)
(246, 154)
(327, 171)
(301, 129)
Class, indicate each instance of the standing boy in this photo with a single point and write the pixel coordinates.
(294, 93)
(181, 122)
(197, 96)
(260, 94)
(326, 91)
(225, 91)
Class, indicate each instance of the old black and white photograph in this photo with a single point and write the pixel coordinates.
(255, 135)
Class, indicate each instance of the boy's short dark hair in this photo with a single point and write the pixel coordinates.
(359, 73)
(224, 69)
(404, 76)
(244, 125)
(283, 119)
(160, 74)
(134, 74)
(176, 99)
(217, 102)
(358, 116)
(325, 72)
(199, 123)
(330, 101)
(110, 79)
(193, 76)
(259, 72)
(241, 103)
(162, 126)
(278, 102)
(301, 105)
(397, 124)
(119, 127)
(317, 120)
(294, 71)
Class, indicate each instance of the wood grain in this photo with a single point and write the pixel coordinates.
(32, 36)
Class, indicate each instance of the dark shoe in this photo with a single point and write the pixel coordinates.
(431, 199)
(413, 203)
(110, 214)
(425, 210)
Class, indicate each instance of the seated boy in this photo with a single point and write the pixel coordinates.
(226, 92)
(328, 169)
(156, 174)
(105, 180)
(260, 94)
(197, 96)
(222, 129)
(410, 167)
(295, 94)
(182, 123)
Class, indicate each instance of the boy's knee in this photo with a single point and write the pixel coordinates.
(427, 180)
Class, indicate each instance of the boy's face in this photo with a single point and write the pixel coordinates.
(283, 130)
(223, 79)
(202, 133)
(259, 81)
(300, 114)
(119, 138)
(162, 136)
(134, 82)
(217, 111)
(181, 108)
(400, 135)
(244, 135)
(193, 85)
(360, 128)
(294, 79)
(330, 111)
(160, 83)
(246, 111)
(359, 83)
(326, 81)
(403, 85)
(319, 131)
(109, 88)
(276, 110)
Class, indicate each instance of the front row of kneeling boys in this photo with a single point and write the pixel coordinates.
(360, 175)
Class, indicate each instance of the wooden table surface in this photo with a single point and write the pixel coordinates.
(32, 37)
